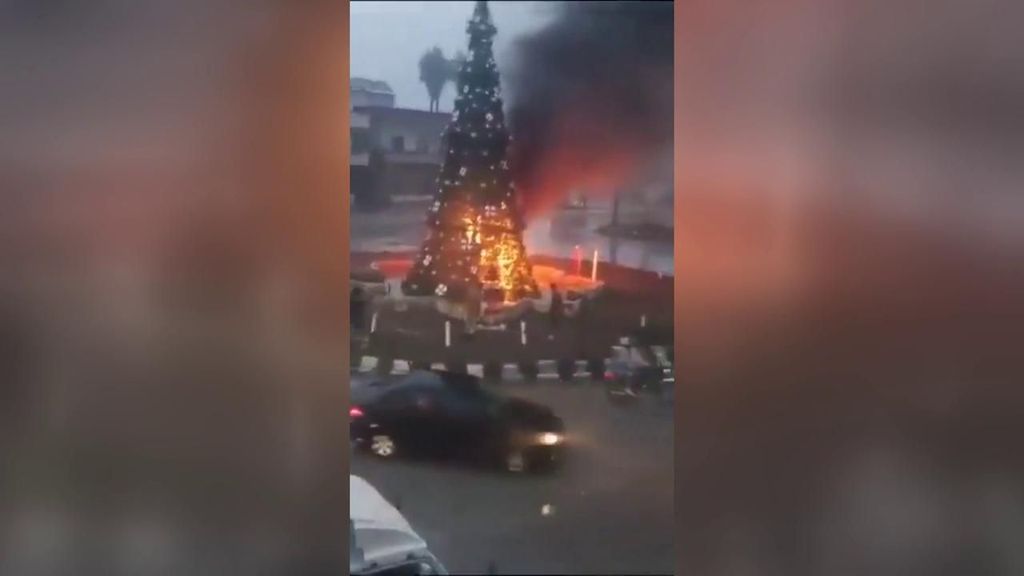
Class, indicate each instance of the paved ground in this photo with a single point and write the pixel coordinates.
(609, 509)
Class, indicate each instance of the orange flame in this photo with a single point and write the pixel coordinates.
(502, 260)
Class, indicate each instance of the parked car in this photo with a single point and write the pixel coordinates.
(451, 415)
(381, 541)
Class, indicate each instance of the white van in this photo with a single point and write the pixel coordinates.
(381, 541)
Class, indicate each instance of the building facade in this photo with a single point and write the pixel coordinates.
(396, 152)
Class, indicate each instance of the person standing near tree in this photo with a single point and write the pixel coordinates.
(474, 301)
(356, 309)
(555, 312)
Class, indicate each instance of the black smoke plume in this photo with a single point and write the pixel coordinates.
(590, 97)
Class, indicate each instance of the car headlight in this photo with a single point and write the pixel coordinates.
(550, 438)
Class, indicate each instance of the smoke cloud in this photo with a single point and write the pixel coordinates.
(590, 98)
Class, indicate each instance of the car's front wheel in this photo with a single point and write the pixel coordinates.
(383, 446)
(515, 461)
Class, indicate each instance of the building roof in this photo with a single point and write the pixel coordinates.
(392, 111)
(367, 85)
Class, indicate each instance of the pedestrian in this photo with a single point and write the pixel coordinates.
(473, 303)
(644, 366)
(356, 308)
(555, 312)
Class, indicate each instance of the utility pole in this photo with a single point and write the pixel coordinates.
(615, 212)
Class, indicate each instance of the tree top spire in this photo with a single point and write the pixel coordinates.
(480, 25)
(481, 11)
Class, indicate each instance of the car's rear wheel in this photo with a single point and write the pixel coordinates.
(383, 446)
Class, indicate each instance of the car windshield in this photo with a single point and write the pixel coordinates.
(470, 389)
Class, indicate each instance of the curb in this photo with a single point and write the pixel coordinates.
(547, 369)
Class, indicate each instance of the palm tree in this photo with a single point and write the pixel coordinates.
(434, 72)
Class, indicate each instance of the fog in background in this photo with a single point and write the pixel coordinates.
(587, 86)
(849, 276)
(388, 38)
(590, 102)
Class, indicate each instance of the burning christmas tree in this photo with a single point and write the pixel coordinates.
(474, 241)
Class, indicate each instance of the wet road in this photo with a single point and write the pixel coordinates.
(401, 228)
(608, 510)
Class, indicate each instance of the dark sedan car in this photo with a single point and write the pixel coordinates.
(444, 414)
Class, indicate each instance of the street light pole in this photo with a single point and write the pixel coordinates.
(615, 212)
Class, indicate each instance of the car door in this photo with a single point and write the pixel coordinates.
(457, 423)
(426, 420)
(476, 422)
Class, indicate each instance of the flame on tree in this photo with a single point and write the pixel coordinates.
(475, 229)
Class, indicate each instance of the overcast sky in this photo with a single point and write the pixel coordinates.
(388, 38)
